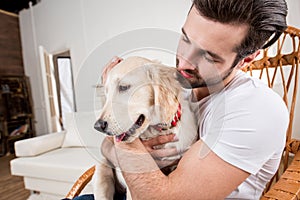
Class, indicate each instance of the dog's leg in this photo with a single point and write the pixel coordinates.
(103, 182)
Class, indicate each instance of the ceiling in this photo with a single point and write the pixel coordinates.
(15, 6)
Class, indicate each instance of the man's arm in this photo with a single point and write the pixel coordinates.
(196, 176)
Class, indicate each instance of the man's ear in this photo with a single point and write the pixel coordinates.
(248, 59)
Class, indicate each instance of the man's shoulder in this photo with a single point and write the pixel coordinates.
(243, 81)
(248, 88)
(253, 95)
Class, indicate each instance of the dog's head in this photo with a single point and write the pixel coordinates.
(139, 93)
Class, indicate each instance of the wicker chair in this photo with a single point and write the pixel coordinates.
(279, 66)
(279, 69)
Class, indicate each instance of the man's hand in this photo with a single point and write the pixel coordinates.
(162, 155)
(114, 61)
(113, 150)
(129, 157)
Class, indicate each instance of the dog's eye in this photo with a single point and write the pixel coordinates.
(123, 88)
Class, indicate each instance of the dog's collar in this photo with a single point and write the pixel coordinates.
(177, 116)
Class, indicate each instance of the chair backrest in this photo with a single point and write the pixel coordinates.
(278, 66)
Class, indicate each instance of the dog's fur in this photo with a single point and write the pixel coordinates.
(142, 98)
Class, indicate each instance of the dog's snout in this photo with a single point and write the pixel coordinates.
(100, 125)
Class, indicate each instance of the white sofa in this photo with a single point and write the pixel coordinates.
(50, 164)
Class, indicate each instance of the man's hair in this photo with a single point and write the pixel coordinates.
(265, 18)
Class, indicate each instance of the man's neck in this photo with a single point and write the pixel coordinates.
(200, 93)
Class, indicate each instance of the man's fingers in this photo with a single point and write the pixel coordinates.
(159, 154)
(112, 63)
(109, 66)
(159, 140)
(107, 146)
(164, 163)
(108, 150)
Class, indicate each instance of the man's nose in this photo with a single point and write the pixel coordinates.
(184, 63)
(101, 125)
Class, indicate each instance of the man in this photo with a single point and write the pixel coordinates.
(237, 116)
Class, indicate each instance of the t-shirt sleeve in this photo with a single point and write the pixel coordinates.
(246, 130)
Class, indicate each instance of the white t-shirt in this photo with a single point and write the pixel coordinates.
(245, 125)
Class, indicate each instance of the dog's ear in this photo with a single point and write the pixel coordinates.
(165, 90)
(149, 73)
(152, 76)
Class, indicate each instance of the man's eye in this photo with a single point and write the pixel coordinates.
(123, 88)
(210, 60)
(184, 38)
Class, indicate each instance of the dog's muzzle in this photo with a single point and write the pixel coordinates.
(102, 126)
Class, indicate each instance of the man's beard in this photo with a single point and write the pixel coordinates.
(198, 82)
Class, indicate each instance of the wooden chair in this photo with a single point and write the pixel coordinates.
(276, 68)
(81, 182)
(279, 68)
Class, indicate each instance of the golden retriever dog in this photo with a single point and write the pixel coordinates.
(143, 99)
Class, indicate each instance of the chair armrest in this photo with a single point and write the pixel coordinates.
(81, 182)
(38, 145)
(288, 186)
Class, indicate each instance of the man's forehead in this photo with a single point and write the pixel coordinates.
(209, 34)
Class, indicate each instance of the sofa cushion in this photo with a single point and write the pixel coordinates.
(64, 164)
(72, 138)
(80, 130)
(54, 188)
(38, 145)
(40, 196)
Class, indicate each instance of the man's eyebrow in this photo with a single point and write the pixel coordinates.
(212, 54)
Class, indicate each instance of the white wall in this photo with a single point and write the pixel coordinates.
(293, 12)
(55, 28)
(98, 30)
(93, 29)
(294, 20)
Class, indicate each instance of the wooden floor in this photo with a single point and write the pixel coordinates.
(11, 187)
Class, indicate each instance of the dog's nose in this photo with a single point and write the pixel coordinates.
(100, 125)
